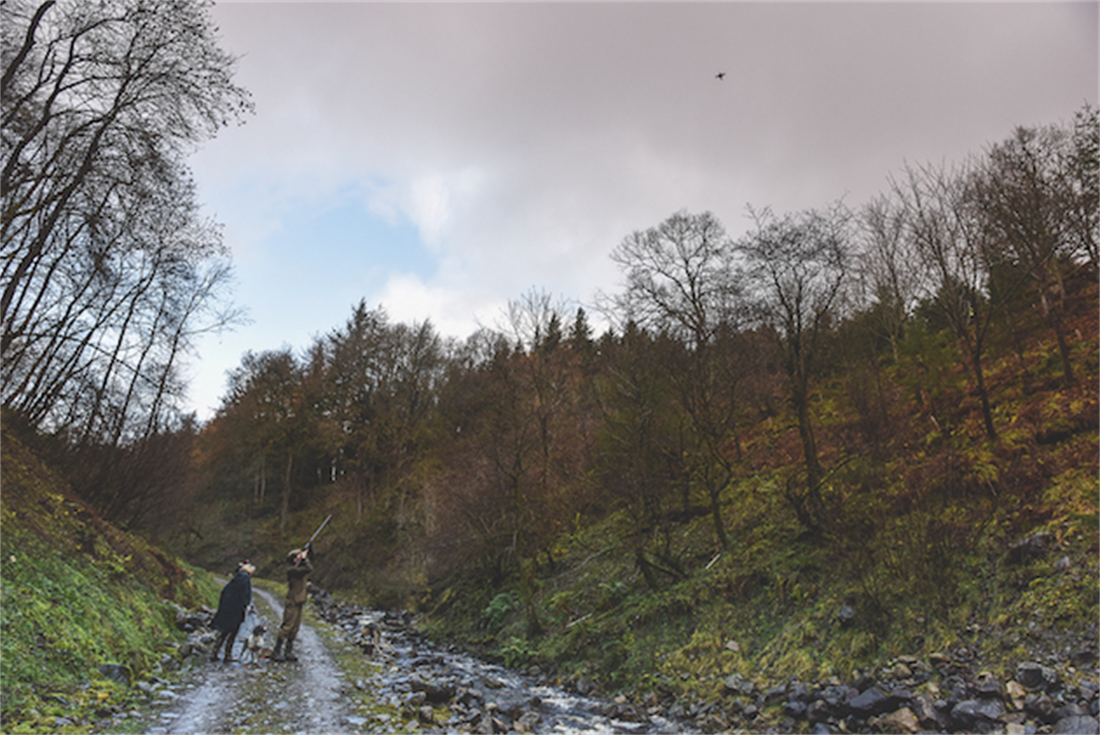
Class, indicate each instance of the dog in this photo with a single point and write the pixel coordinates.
(254, 645)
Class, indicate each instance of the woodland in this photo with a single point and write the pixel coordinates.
(864, 407)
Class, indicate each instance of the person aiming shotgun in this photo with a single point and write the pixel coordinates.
(298, 568)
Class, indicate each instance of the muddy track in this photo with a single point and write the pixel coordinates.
(302, 696)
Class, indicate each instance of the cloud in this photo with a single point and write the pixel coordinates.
(453, 312)
(513, 145)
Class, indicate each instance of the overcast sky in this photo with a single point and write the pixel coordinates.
(443, 159)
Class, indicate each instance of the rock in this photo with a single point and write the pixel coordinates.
(1069, 710)
(795, 709)
(116, 672)
(799, 692)
(738, 684)
(1040, 706)
(898, 698)
(955, 688)
(426, 715)
(414, 701)
(902, 671)
(1035, 677)
(528, 722)
(901, 721)
(584, 686)
(836, 695)
(817, 711)
(871, 702)
(974, 712)
(775, 694)
(1016, 694)
(862, 680)
(924, 709)
(988, 685)
(846, 616)
(939, 660)
(1077, 725)
(435, 693)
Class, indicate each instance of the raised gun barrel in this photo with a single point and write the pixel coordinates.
(317, 532)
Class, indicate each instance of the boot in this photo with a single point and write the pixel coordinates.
(289, 656)
(277, 654)
(218, 647)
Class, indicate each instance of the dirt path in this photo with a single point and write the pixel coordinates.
(265, 697)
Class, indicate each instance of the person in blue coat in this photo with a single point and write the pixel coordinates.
(235, 600)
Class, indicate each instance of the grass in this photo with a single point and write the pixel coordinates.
(76, 595)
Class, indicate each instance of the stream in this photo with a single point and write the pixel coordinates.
(411, 685)
(477, 696)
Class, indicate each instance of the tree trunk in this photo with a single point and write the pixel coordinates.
(284, 507)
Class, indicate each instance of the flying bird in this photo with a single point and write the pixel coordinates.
(720, 75)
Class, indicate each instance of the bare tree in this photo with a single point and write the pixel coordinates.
(952, 248)
(798, 266)
(885, 267)
(680, 280)
(1084, 170)
(107, 270)
(1029, 191)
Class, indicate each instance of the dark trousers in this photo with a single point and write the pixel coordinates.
(229, 637)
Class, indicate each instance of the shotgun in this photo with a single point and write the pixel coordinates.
(317, 532)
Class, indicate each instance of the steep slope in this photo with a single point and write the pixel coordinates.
(81, 603)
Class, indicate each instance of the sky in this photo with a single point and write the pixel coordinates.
(442, 159)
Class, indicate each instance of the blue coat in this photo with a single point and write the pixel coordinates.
(235, 598)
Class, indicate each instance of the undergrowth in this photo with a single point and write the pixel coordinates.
(76, 595)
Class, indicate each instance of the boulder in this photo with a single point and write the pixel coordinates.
(1040, 706)
(799, 692)
(971, 713)
(738, 684)
(434, 693)
(528, 722)
(795, 709)
(1016, 694)
(817, 711)
(1077, 725)
(923, 708)
(988, 686)
(871, 702)
(901, 721)
(1036, 677)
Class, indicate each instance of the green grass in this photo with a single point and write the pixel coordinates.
(76, 594)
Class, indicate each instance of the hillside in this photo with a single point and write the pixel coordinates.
(80, 601)
(940, 547)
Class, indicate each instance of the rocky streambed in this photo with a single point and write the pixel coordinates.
(447, 689)
(412, 684)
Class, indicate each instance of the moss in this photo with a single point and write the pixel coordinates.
(75, 594)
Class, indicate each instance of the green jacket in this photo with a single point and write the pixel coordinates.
(296, 582)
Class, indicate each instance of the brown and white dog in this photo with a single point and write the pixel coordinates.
(254, 646)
